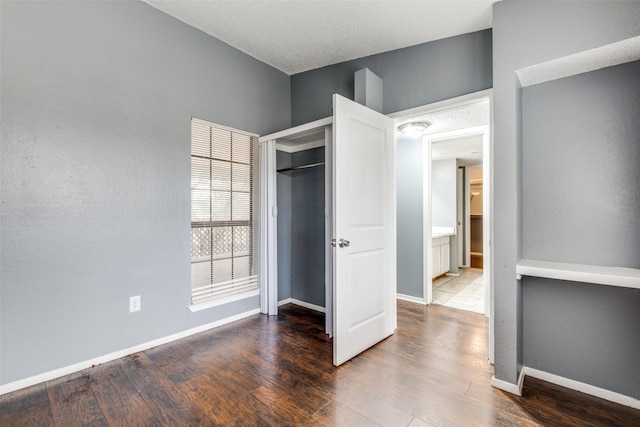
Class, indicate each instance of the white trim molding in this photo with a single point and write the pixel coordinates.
(589, 389)
(300, 147)
(592, 390)
(412, 299)
(457, 102)
(507, 386)
(219, 126)
(307, 127)
(60, 372)
(221, 301)
(268, 228)
(302, 304)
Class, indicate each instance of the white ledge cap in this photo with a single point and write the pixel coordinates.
(589, 60)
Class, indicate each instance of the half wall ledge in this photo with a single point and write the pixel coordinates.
(611, 276)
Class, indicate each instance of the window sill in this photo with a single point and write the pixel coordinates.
(222, 301)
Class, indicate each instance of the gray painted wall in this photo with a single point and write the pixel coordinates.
(96, 104)
(409, 181)
(581, 204)
(585, 332)
(443, 193)
(307, 228)
(524, 34)
(301, 239)
(580, 176)
(412, 77)
(283, 189)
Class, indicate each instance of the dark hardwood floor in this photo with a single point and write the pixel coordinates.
(277, 371)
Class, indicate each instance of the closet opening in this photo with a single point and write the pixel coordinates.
(301, 226)
(299, 159)
(328, 229)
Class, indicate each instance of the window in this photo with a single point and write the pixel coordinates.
(224, 226)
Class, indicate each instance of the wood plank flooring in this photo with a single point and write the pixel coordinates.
(264, 371)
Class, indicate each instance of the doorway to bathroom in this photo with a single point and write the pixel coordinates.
(444, 205)
(456, 181)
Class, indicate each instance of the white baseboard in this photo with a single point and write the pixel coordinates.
(592, 390)
(411, 298)
(60, 372)
(302, 304)
(609, 395)
(507, 386)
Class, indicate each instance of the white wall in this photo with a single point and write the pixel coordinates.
(443, 192)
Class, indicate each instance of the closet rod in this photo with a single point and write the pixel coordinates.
(311, 165)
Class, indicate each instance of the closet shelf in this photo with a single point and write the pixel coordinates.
(610, 276)
(311, 165)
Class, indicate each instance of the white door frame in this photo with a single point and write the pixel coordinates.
(268, 278)
(328, 230)
(461, 215)
(487, 199)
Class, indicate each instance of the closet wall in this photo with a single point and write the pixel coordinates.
(301, 226)
(283, 182)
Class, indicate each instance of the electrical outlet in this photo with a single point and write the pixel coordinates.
(134, 304)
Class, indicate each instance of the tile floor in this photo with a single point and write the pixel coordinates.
(465, 292)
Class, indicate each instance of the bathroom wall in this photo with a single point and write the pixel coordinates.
(443, 193)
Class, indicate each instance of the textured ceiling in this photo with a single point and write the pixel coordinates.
(451, 119)
(297, 36)
(466, 149)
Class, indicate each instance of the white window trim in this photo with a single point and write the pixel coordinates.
(215, 303)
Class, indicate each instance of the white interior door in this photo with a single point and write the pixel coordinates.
(365, 228)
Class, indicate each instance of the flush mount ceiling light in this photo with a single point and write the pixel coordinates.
(414, 128)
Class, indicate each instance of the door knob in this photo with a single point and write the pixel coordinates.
(343, 243)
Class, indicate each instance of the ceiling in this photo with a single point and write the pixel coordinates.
(467, 149)
(297, 36)
(455, 118)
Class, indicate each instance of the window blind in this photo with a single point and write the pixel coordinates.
(224, 223)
